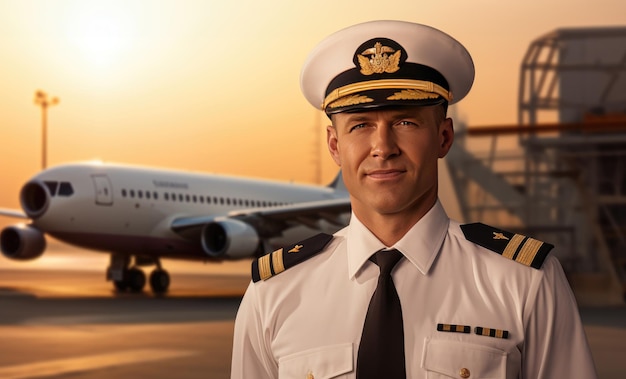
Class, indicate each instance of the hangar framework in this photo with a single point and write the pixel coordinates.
(560, 173)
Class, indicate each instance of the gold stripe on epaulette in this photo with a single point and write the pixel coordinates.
(265, 272)
(528, 251)
(511, 247)
(277, 261)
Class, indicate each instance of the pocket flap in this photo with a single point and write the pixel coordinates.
(457, 359)
(322, 362)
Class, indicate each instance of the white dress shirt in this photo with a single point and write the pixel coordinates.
(306, 322)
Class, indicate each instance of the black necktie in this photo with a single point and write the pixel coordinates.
(381, 352)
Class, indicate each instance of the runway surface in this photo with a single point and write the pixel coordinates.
(60, 319)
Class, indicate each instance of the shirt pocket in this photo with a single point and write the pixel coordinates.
(456, 359)
(319, 363)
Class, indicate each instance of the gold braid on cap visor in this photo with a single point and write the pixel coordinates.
(400, 84)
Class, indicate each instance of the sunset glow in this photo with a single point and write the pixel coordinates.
(101, 32)
(214, 86)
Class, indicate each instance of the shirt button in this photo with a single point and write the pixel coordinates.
(464, 373)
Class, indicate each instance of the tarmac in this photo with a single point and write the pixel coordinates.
(60, 319)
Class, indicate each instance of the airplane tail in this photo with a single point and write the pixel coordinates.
(337, 184)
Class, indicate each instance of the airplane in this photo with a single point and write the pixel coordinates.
(141, 214)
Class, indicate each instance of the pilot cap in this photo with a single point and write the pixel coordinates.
(386, 63)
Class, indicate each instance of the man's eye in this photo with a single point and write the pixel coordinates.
(355, 127)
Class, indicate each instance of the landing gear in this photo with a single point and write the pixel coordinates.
(133, 279)
(136, 279)
(120, 285)
(159, 281)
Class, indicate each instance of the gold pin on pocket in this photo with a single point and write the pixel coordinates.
(453, 328)
(496, 333)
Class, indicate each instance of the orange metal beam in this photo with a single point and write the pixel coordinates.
(607, 126)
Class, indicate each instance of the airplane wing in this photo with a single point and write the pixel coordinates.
(272, 221)
(13, 213)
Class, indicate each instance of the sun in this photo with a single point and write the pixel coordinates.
(101, 32)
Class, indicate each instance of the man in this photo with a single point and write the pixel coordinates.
(403, 291)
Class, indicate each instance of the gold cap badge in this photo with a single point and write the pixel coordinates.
(379, 60)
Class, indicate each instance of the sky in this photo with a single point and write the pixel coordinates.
(213, 86)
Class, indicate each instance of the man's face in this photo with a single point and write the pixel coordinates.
(389, 158)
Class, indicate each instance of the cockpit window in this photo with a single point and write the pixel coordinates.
(66, 189)
(52, 187)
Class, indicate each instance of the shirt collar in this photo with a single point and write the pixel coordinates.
(420, 245)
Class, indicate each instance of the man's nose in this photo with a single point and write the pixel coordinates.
(384, 143)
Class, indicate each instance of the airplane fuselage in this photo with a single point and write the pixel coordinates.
(140, 215)
(127, 209)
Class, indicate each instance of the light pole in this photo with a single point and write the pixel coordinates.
(41, 99)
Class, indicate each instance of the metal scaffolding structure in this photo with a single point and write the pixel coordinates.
(562, 180)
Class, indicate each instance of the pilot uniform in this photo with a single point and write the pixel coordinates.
(468, 311)
(477, 302)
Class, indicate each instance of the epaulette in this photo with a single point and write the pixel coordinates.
(274, 263)
(525, 250)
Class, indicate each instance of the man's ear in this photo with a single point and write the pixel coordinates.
(333, 144)
(446, 136)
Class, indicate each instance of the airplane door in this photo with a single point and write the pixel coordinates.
(104, 193)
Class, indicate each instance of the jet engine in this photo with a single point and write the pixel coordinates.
(35, 198)
(22, 242)
(229, 239)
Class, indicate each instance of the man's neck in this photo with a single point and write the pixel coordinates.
(390, 228)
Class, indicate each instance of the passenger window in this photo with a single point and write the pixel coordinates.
(166, 196)
(123, 192)
(52, 187)
(66, 189)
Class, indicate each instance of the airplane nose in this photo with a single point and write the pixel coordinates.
(35, 199)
